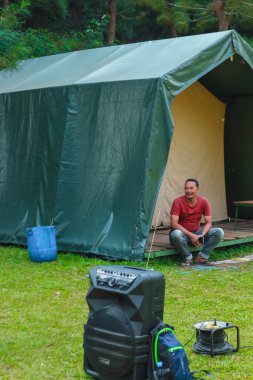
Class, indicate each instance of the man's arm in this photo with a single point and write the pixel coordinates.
(208, 224)
(176, 226)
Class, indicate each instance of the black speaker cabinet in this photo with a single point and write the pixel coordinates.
(125, 303)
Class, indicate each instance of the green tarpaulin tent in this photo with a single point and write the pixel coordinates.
(85, 136)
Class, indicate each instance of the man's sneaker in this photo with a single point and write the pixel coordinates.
(200, 260)
(186, 263)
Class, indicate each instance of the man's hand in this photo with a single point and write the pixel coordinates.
(197, 239)
(194, 239)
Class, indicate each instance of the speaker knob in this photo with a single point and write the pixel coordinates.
(112, 281)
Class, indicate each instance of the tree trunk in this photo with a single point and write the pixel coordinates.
(111, 30)
(172, 29)
(5, 3)
(222, 19)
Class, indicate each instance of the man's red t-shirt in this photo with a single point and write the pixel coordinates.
(190, 217)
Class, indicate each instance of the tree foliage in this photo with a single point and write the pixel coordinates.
(201, 16)
(12, 17)
(32, 28)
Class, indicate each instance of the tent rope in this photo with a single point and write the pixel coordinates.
(151, 245)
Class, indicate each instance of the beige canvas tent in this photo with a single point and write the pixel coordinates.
(197, 151)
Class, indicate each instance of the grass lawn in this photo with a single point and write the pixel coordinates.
(43, 309)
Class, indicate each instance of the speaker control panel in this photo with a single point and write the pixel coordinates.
(114, 279)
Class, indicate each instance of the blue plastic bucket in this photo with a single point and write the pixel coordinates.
(41, 243)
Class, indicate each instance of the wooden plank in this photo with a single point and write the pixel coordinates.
(161, 245)
(223, 243)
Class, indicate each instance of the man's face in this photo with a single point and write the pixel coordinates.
(190, 190)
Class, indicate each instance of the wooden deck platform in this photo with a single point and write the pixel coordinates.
(161, 245)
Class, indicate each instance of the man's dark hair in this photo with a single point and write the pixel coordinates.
(193, 180)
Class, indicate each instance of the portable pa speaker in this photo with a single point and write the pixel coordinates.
(125, 303)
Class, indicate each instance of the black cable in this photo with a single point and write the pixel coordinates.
(194, 334)
(189, 340)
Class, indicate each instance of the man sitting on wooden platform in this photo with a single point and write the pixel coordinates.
(186, 213)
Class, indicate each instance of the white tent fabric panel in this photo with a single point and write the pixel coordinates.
(197, 151)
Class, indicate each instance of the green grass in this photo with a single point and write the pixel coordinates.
(43, 309)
